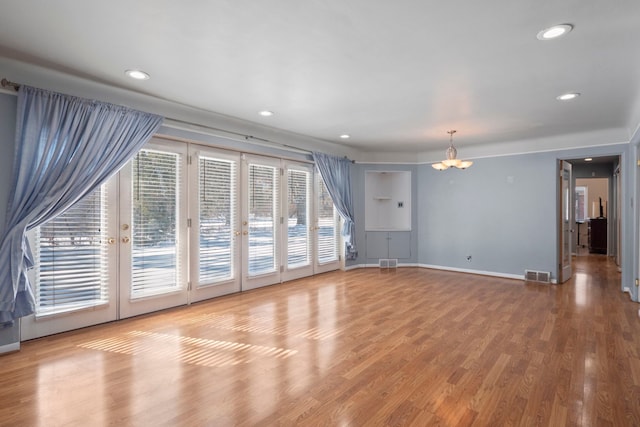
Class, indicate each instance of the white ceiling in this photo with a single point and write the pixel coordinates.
(396, 75)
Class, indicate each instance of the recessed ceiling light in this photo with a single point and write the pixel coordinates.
(554, 32)
(345, 136)
(588, 159)
(266, 113)
(568, 96)
(137, 74)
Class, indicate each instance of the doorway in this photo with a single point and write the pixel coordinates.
(595, 187)
(592, 216)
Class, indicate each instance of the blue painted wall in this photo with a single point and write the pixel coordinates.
(501, 212)
(11, 335)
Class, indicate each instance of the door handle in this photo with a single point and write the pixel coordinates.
(125, 240)
(236, 233)
(245, 233)
(111, 240)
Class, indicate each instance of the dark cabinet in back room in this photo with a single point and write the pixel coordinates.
(598, 235)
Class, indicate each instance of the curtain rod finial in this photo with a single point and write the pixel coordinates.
(6, 83)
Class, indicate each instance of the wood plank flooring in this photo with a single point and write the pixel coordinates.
(406, 347)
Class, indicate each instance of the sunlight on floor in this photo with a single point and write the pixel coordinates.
(257, 324)
(581, 281)
(195, 351)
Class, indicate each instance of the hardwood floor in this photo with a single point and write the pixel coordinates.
(366, 347)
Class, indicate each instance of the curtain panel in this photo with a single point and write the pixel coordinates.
(336, 174)
(65, 148)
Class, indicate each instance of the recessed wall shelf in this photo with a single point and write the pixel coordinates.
(387, 200)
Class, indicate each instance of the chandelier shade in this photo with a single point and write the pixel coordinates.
(452, 160)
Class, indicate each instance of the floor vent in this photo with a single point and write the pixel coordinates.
(537, 276)
(388, 263)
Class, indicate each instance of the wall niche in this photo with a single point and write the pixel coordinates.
(388, 200)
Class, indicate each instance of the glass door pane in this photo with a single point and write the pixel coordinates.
(154, 237)
(299, 222)
(261, 222)
(215, 242)
(327, 230)
(566, 222)
(72, 258)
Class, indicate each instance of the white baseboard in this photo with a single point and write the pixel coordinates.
(356, 266)
(8, 348)
(470, 271)
(439, 267)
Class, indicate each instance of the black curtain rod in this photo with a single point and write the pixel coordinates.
(7, 83)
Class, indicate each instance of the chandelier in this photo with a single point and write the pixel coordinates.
(451, 157)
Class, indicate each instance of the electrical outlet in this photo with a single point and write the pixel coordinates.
(469, 258)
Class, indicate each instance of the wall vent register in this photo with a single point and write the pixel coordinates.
(537, 276)
(388, 263)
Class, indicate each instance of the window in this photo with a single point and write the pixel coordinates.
(71, 258)
(263, 199)
(217, 188)
(154, 233)
(328, 238)
(298, 248)
(581, 204)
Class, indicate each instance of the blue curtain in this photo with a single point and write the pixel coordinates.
(65, 148)
(336, 174)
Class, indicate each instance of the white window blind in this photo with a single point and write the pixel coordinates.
(154, 231)
(263, 195)
(217, 218)
(328, 238)
(298, 248)
(71, 258)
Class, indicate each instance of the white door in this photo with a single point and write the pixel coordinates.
(298, 224)
(215, 232)
(260, 221)
(117, 253)
(566, 222)
(327, 230)
(74, 277)
(153, 229)
(616, 215)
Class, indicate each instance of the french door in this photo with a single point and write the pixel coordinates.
(153, 229)
(261, 222)
(215, 231)
(117, 253)
(178, 224)
(76, 263)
